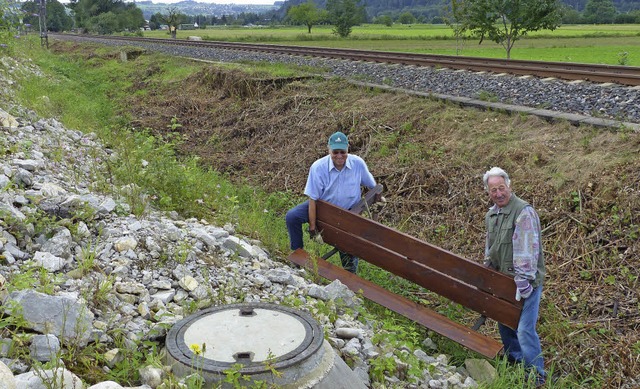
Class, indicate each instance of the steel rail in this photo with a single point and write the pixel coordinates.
(623, 75)
(418, 313)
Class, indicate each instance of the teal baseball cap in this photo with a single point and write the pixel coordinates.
(338, 141)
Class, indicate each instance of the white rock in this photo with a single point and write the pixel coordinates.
(188, 283)
(48, 261)
(106, 385)
(6, 377)
(125, 244)
(348, 333)
(7, 120)
(151, 376)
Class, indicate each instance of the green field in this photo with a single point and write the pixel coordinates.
(573, 43)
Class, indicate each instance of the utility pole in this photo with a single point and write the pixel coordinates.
(44, 37)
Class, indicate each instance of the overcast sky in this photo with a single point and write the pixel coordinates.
(261, 2)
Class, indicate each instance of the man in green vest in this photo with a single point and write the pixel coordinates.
(514, 247)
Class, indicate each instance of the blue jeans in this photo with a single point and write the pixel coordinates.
(523, 345)
(299, 215)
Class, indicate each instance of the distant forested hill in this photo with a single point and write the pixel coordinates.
(426, 10)
(621, 5)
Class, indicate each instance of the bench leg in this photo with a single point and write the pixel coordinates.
(479, 322)
(330, 254)
(349, 262)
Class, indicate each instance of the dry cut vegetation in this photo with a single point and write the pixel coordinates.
(430, 156)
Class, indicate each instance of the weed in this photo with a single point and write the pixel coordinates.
(183, 251)
(104, 290)
(610, 279)
(17, 224)
(196, 381)
(576, 201)
(234, 376)
(325, 309)
(623, 58)
(293, 301)
(408, 153)
(14, 321)
(487, 96)
(269, 364)
(47, 281)
(126, 371)
(175, 124)
(381, 366)
(33, 276)
(88, 256)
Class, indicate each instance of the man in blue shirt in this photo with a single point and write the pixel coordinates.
(335, 178)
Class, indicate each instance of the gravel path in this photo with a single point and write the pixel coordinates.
(596, 100)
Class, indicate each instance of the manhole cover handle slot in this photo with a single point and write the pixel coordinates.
(244, 357)
(247, 311)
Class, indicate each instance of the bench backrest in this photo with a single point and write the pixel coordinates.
(468, 283)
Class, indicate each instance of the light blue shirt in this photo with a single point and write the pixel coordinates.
(338, 187)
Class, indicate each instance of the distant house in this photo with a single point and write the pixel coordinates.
(187, 26)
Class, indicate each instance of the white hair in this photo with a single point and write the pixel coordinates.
(495, 172)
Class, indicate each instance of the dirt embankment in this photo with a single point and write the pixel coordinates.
(430, 156)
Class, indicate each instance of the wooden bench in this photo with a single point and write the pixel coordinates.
(484, 290)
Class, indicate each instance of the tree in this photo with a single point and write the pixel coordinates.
(173, 18)
(5, 24)
(9, 18)
(506, 21)
(307, 14)
(406, 18)
(384, 19)
(91, 15)
(571, 16)
(155, 21)
(57, 18)
(104, 23)
(344, 14)
(627, 18)
(455, 18)
(600, 11)
(130, 18)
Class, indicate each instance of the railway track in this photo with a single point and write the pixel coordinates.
(623, 75)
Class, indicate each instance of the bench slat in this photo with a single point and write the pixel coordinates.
(482, 344)
(453, 289)
(434, 257)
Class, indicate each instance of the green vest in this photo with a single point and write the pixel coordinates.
(500, 229)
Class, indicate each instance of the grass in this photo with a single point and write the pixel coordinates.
(571, 43)
(374, 31)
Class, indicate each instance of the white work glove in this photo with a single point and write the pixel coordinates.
(316, 236)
